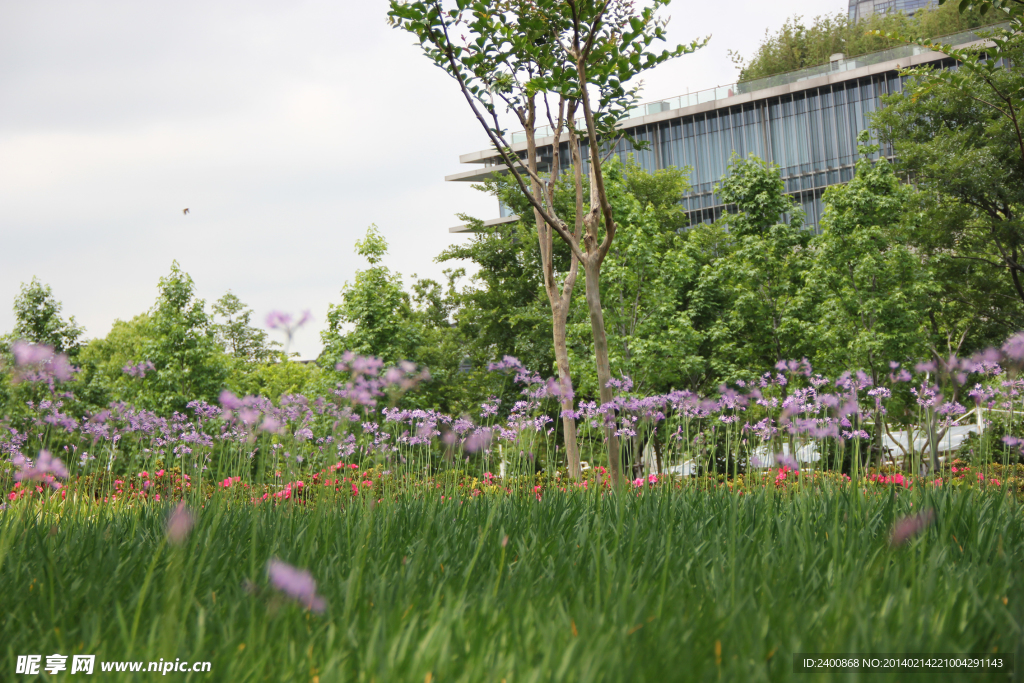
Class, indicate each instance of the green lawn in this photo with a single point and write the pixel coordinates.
(665, 586)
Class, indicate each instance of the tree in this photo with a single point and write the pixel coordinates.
(236, 333)
(960, 135)
(500, 311)
(646, 275)
(957, 134)
(181, 343)
(748, 300)
(160, 360)
(582, 53)
(798, 44)
(874, 292)
(375, 308)
(37, 319)
(103, 361)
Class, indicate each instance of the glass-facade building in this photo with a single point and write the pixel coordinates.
(862, 9)
(807, 122)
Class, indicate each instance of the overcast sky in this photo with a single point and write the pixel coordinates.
(285, 127)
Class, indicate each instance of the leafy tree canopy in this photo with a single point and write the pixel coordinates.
(37, 319)
(799, 44)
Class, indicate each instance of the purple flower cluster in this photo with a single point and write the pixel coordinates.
(139, 369)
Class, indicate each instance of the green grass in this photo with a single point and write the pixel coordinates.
(624, 588)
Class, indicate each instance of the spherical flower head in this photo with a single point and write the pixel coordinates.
(393, 376)
(45, 468)
(179, 524)
(908, 527)
(26, 353)
(477, 441)
(59, 367)
(787, 461)
(229, 401)
(272, 425)
(1014, 347)
(295, 583)
(278, 320)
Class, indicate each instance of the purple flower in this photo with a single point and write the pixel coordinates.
(478, 440)
(59, 368)
(139, 369)
(787, 461)
(1014, 347)
(45, 465)
(507, 363)
(271, 424)
(393, 376)
(229, 401)
(295, 583)
(179, 524)
(277, 320)
(909, 527)
(26, 353)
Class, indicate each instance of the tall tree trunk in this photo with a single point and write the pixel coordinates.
(572, 450)
(559, 300)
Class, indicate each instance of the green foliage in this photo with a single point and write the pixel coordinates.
(748, 301)
(526, 49)
(874, 291)
(1001, 7)
(960, 135)
(503, 310)
(277, 378)
(644, 279)
(798, 45)
(102, 378)
(373, 247)
(177, 336)
(375, 317)
(237, 335)
(181, 343)
(37, 319)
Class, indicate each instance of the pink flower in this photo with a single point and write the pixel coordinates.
(652, 478)
(159, 473)
(179, 523)
(909, 527)
(295, 583)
